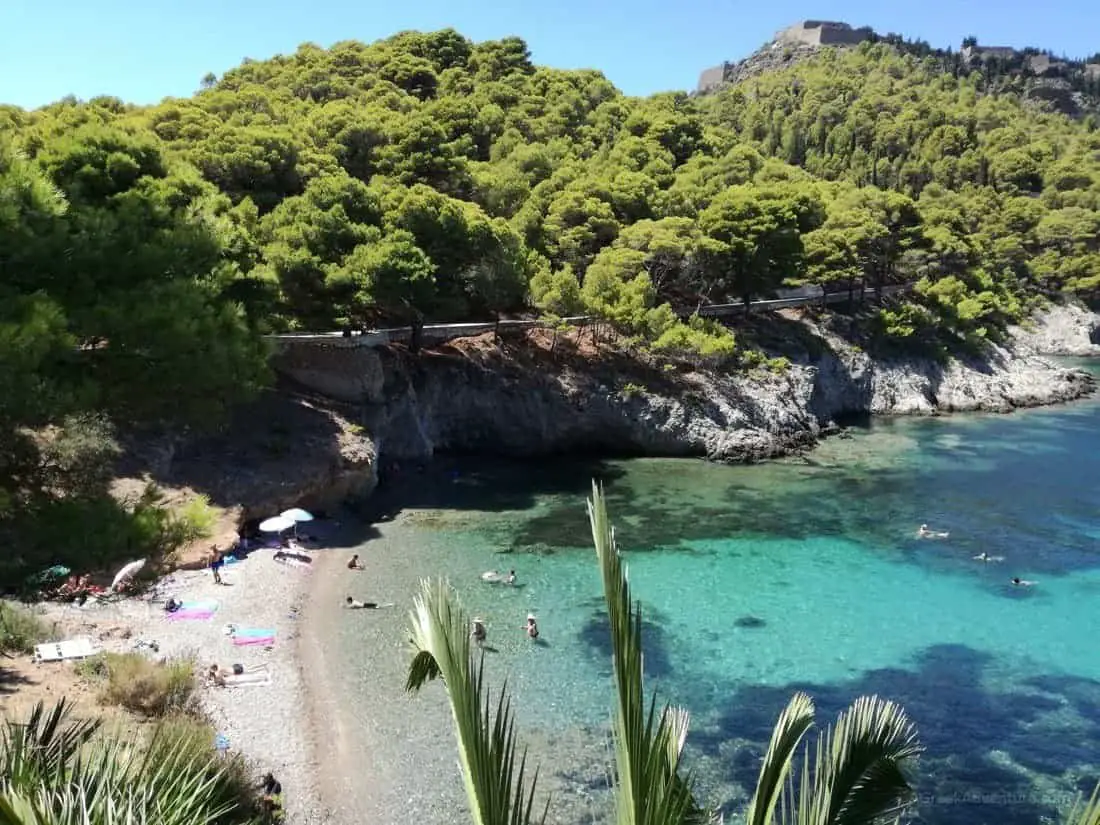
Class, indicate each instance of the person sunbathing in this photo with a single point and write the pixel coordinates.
(355, 604)
(216, 675)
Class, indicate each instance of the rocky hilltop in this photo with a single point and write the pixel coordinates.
(518, 399)
(1068, 86)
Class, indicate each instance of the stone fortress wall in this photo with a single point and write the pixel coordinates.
(823, 33)
(808, 33)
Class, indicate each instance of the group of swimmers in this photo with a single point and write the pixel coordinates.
(923, 532)
(478, 632)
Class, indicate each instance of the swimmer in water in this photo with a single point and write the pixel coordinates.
(988, 558)
(494, 577)
(477, 631)
(531, 627)
(1018, 582)
(924, 533)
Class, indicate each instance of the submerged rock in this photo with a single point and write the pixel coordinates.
(749, 621)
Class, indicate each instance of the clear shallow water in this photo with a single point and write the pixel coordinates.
(758, 581)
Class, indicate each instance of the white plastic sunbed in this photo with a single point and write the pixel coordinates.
(79, 648)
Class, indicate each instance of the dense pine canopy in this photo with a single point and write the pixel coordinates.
(143, 250)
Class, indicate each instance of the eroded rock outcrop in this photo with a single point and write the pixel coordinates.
(519, 400)
(1067, 329)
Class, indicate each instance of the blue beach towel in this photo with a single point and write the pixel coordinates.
(253, 632)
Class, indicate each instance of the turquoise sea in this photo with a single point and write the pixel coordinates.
(756, 582)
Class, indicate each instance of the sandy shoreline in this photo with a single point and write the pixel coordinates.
(269, 724)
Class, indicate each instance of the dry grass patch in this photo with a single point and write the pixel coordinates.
(21, 628)
(141, 685)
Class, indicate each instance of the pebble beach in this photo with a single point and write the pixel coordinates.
(269, 723)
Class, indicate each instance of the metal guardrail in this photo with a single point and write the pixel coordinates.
(438, 333)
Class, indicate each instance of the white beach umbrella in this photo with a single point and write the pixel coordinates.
(127, 573)
(296, 514)
(277, 524)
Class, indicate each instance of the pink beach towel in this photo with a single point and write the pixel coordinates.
(194, 610)
(265, 641)
(253, 636)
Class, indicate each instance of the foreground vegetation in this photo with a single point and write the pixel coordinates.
(144, 250)
(55, 770)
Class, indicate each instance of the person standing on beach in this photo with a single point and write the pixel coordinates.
(216, 565)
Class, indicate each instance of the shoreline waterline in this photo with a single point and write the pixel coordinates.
(745, 544)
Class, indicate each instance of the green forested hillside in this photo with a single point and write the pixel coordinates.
(144, 249)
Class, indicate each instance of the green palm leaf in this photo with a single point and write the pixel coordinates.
(649, 789)
(65, 775)
(789, 730)
(1087, 814)
(495, 780)
(858, 775)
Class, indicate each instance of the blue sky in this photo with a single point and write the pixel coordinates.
(144, 51)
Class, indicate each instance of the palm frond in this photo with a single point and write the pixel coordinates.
(41, 749)
(859, 767)
(67, 776)
(1087, 814)
(649, 789)
(789, 730)
(496, 783)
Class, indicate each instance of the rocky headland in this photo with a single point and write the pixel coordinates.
(341, 410)
(517, 398)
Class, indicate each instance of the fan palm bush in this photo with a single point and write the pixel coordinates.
(58, 771)
(856, 774)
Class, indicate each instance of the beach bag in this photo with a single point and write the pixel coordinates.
(238, 670)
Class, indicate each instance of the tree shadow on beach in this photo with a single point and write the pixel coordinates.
(11, 680)
(980, 744)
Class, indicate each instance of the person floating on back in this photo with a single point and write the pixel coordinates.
(494, 577)
(478, 632)
(924, 533)
(355, 564)
(532, 627)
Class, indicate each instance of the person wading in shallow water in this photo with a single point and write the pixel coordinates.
(477, 631)
(532, 627)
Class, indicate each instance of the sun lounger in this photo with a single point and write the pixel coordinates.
(80, 648)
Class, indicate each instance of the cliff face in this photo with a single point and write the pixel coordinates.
(517, 400)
